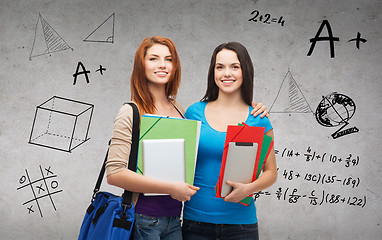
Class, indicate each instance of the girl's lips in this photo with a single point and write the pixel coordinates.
(228, 81)
(161, 74)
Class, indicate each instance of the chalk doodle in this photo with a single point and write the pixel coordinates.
(318, 198)
(104, 33)
(46, 40)
(330, 38)
(85, 72)
(358, 39)
(311, 155)
(61, 124)
(315, 197)
(266, 18)
(322, 178)
(321, 186)
(290, 98)
(101, 69)
(42, 189)
(335, 110)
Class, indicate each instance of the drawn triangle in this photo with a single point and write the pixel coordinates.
(39, 46)
(104, 32)
(290, 98)
(46, 40)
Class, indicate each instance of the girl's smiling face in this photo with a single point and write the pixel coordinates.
(228, 74)
(158, 64)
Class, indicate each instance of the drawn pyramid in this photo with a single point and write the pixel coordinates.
(290, 99)
(46, 40)
(104, 32)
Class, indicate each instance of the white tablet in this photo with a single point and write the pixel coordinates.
(164, 159)
(240, 164)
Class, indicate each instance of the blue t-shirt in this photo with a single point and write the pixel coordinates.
(204, 206)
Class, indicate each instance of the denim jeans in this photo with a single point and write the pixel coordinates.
(207, 231)
(157, 228)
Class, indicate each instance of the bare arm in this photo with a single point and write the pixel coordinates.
(135, 182)
(117, 173)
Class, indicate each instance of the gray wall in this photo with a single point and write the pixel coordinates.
(321, 198)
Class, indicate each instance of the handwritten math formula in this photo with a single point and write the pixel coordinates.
(350, 160)
(266, 18)
(322, 179)
(314, 197)
(298, 184)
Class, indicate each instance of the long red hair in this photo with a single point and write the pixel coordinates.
(140, 93)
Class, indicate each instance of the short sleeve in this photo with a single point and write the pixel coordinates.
(259, 122)
(267, 124)
(193, 112)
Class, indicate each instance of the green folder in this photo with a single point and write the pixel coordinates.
(155, 127)
(267, 140)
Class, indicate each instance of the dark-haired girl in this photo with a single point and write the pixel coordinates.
(227, 102)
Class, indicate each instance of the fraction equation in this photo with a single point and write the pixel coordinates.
(266, 18)
(41, 188)
(310, 156)
(316, 198)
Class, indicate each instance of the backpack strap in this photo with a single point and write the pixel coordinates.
(127, 196)
(133, 158)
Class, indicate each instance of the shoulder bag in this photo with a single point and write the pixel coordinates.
(110, 216)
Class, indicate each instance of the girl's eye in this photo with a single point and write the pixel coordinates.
(169, 59)
(219, 67)
(152, 59)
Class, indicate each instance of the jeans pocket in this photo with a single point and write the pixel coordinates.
(188, 225)
(146, 222)
(249, 227)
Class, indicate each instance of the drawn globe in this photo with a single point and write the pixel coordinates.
(335, 109)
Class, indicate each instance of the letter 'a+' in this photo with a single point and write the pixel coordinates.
(330, 38)
(84, 71)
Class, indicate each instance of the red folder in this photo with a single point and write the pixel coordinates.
(242, 133)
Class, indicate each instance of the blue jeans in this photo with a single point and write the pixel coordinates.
(208, 231)
(157, 228)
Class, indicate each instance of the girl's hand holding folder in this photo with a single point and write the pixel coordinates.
(239, 192)
(182, 191)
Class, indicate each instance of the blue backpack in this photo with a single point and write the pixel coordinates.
(110, 216)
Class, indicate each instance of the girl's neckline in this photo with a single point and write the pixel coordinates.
(208, 124)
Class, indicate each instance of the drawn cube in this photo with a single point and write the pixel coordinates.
(61, 124)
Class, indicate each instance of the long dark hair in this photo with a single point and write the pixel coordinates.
(246, 68)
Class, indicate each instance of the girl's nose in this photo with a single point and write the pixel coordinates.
(227, 72)
(161, 63)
